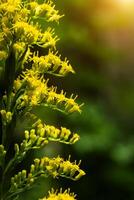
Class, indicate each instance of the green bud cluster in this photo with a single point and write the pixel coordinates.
(52, 133)
(40, 136)
(58, 167)
(18, 181)
(6, 116)
(54, 167)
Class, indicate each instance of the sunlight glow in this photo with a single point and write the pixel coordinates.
(126, 2)
(126, 5)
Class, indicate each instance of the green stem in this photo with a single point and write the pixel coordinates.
(3, 134)
(13, 194)
(9, 165)
(2, 187)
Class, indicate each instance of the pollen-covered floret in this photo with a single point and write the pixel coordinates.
(17, 21)
(10, 7)
(37, 92)
(19, 46)
(52, 63)
(70, 104)
(41, 134)
(47, 39)
(26, 31)
(55, 195)
(3, 55)
(55, 167)
(52, 133)
(58, 167)
(35, 89)
(48, 11)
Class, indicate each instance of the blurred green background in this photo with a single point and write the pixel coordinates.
(97, 36)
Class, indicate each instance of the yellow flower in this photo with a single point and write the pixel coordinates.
(6, 116)
(66, 195)
(46, 39)
(10, 6)
(28, 32)
(52, 63)
(47, 10)
(66, 67)
(32, 5)
(3, 55)
(19, 47)
(71, 106)
(37, 90)
(52, 133)
(17, 84)
(23, 36)
(57, 166)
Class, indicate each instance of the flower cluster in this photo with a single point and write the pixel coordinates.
(54, 167)
(6, 116)
(3, 55)
(29, 34)
(47, 10)
(62, 135)
(51, 63)
(17, 22)
(37, 92)
(40, 136)
(54, 195)
(27, 55)
(47, 39)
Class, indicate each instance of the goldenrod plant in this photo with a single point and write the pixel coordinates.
(27, 54)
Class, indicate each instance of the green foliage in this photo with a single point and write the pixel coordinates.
(101, 36)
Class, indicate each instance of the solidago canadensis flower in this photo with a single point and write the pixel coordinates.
(27, 54)
(66, 195)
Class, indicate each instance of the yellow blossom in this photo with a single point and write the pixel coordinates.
(28, 32)
(17, 84)
(3, 55)
(47, 39)
(52, 133)
(54, 167)
(54, 195)
(57, 167)
(6, 116)
(28, 54)
(52, 63)
(47, 10)
(10, 6)
(19, 46)
(32, 5)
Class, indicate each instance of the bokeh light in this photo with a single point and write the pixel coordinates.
(126, 4)
(126, 1)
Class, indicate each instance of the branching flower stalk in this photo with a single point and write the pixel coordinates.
(27, 54)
